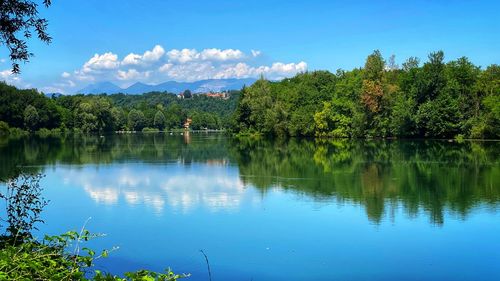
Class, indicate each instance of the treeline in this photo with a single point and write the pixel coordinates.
(32, 111)
(435, 100)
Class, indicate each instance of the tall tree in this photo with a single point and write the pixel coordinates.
(136, 120)
(187, 94)
(159, 120)
(31, 118)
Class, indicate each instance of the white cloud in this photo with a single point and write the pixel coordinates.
(159, 65)
(2, 60)
(217, 55)
(132, 74)
(80, 75)
(221, 55)
(155, 54)
(165, 67)
(149, 56)
(50, 89)
(101, 62)
(12, 79)
(183, 56)
(66, 83)
(6, 74)
(133, 59)
(191, 71)
(278, 70)
(255, 53)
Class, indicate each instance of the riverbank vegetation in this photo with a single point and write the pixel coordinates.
(382, 99)
(438, 99)
(24, 111)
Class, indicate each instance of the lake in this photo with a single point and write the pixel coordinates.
(274, 209)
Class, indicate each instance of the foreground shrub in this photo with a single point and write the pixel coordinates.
(16, 132)
(4, 128)
(49, 260)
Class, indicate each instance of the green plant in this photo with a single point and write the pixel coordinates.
(43, 133)
(4, 128)
(49, 259)
(23, 203)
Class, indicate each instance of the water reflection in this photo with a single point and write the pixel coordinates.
(419, 175)
(182, 188)
(212, 171)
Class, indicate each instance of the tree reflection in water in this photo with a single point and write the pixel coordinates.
(416, 175)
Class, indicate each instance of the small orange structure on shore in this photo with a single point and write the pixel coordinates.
(187, 123)
(221, 95)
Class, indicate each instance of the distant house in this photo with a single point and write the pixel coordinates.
(180, 96)
(221, 95)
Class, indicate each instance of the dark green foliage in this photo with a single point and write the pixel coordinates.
(31, 118)
(4, 128)
(160, 120)
(187, 94)
(14, 103)
(136, 120)
(437, 100)
(31, 111)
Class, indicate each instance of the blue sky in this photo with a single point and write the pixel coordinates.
(221, 39)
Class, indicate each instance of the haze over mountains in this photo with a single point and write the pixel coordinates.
(201, 86)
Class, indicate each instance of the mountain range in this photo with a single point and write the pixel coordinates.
(201, 86)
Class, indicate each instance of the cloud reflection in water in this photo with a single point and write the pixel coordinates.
(183, 188)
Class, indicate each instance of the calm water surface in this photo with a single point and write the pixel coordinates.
(274, 210)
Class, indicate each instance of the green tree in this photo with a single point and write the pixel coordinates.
(160, 120)
(31, 118)
(374, 66)
(440, 117)
(101, 108)
(4, 128)
(376, 96)
(187, 94)
(136, 120)
(432, 79)
(174, 116)
(119, 119)
(85, 119)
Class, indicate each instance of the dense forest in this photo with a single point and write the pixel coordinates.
(435, 100)
(31, 111)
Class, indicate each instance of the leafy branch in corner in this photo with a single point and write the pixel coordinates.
(19, 20)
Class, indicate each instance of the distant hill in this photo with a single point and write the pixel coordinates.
(101, 88)
(53, 95)
(170, 86)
